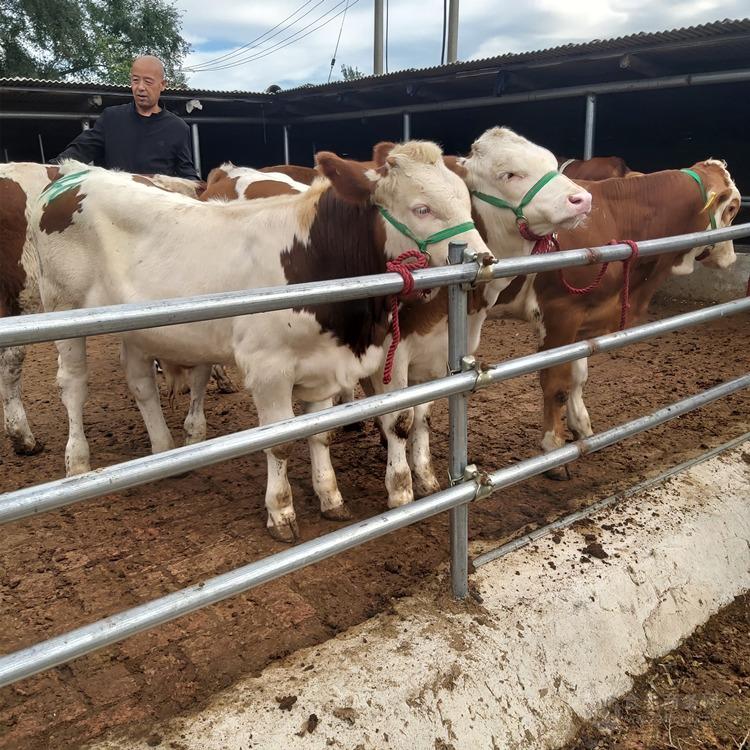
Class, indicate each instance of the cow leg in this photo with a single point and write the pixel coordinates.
(139, 372)
(555, 383)
(579, 421)
(72, 378)
(425, 481)
(16, 425)
(224, 383)
(273, 401)
(332, 505)
(396, 427)
(346, 396)
(195, 421)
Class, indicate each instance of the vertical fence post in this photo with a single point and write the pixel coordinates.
(407, 126)
(588, 141)
(286, 144)
(196, 149)
(457, 410)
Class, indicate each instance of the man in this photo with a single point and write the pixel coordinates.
(139, 137)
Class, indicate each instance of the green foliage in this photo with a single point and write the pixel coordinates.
(89, 39)
(351, 72)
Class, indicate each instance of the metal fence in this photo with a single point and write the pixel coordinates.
(464, 377)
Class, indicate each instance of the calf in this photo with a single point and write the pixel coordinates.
(334, 230)
(634, 208)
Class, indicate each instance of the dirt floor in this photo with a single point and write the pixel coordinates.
(698, 696)
(73, 566)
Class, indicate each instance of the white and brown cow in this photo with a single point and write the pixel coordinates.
(595, 168)
(20, 186)
(334, 230)
(245, 183)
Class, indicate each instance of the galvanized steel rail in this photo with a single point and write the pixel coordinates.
(467, 485)
(30, 329)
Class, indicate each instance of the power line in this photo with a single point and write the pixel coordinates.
(335, 51)
(287, 41)
(255, 43)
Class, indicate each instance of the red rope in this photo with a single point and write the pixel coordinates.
(407, 262)
(548, 243)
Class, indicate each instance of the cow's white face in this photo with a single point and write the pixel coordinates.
(418, 190)
(725, 207)
(506, 165)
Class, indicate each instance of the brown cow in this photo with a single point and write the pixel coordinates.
(596, 168)
(636, 208)
(229, 182)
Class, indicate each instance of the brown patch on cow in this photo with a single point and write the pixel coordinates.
(305, 175)
(53, 173)
(380, 152)
(452, 163)
(307, 207)
(343, 242)
(403, 425)
(222, 188)
(57, 215)
(12, 239)
(282, 452)
(596, 168)
(511, 291)
(268, 189)
(423, 317)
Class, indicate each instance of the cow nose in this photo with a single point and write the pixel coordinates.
(581, 202)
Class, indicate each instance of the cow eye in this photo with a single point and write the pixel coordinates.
(508, 175)
(422, 210)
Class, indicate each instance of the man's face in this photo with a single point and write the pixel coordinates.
(146, 83)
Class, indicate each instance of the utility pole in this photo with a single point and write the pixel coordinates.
(452, 31)
(378, 42)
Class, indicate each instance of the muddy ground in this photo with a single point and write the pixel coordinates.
(698, 696)
(76, 565)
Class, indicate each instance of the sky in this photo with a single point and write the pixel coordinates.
(300, 48)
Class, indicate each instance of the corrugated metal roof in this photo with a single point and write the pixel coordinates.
(632, 42)
(629, 43)
(94, 87)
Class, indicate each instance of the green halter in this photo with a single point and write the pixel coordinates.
(706, 201)
(518, 211)
(62, 185)
(443, 234)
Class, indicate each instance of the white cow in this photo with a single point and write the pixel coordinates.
(104, 239)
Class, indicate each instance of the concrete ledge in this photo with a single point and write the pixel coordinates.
(710, 284)
(558, 632)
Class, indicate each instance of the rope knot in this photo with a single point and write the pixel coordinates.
(543, 244)
(411, 260)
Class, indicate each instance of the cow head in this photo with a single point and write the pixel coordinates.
(724, 204)
(414, 189)
(506, 165)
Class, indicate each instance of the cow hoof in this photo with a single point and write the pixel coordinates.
(224, 383)
(425, 488)
(337, 513)
(559, 473)
(22, 449)
(287, 531)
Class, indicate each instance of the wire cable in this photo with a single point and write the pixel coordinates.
(335, 51)
(287, 41)
(252, 43)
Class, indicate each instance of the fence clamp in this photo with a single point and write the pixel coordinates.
(485, 261)
(480, 478)
(469, 363)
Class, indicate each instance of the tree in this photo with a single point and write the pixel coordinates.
(91, 39)
(351, 72)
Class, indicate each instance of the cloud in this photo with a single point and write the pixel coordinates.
(415, 28)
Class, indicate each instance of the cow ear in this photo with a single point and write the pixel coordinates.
(380, 152)
(350, 180)
(455, 164)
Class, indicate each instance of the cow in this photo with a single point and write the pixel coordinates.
(20, 185)
(596, 168)
(336, 229)
(519, 164)
(245, 183)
